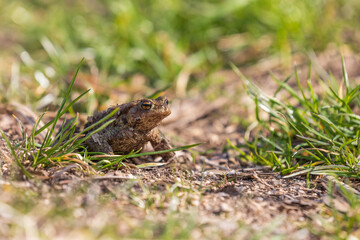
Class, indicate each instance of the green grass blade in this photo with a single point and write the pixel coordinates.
(13, 153)
(65, 99)
(54, 121)
(345, 75)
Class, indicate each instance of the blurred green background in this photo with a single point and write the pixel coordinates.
(131, 46)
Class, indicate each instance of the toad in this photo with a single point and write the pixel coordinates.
(135, 125)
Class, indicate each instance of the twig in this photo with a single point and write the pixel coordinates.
(261, 181)
(206, 161)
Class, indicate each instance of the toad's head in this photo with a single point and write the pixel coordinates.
(146, 114)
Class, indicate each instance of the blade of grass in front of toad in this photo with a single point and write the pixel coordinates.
(48, 141)
(54, 121)
(74, 142)
(78, 142)
(53, 151)
(108, 162)
(67, 129)
(58, 143)
(165, 151)
(116, 159)
(65, 99)
(60, 112)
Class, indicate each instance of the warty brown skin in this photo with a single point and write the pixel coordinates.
(135, 124)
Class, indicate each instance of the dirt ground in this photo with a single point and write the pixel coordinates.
(223, 188)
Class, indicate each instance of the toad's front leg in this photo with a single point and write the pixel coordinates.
(159, 142)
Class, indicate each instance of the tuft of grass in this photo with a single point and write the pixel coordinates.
(307, 133)
(15, 155)
(63, 148)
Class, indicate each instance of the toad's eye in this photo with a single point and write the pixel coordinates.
(166, 102)
(146, 105)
